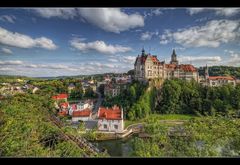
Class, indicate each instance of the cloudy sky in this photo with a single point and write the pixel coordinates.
(75, 41)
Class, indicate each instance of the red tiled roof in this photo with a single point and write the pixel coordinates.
(170, 66)
(110, 113)
(221, 77)
(65, 104)
(60, 96)
(154, 58)
(188, 68)
(84, 113)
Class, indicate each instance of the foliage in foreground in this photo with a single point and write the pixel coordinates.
(198, 137)
(25, 129)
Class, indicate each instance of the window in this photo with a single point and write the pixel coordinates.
(115, 126)
(105, 126)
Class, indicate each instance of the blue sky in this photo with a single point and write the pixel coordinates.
(75, 41)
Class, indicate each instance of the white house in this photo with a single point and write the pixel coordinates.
(83, 115)
(110, 119)
(221, 80)
(81, 106)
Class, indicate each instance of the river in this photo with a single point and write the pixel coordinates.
(117, 148)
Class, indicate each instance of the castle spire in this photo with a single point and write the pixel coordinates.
(143, 51)
(174, 52)
(174, 58)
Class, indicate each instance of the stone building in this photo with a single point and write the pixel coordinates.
(148, 67)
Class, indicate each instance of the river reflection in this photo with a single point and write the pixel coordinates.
(117, 148)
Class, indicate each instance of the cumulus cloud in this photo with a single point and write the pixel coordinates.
(6, 51)
(148, 35)
(179, 48)
(218, 11)
(111, 19)
(227, 11)
(166, 37)
(108, 19)
(16, 62)
(99, 46)
(65, 13)
(8, 18)
(212, 59)
(24, 41)
(51, 69)
(129, 59)
(233, 58)
(153, 12)
(210, 35)
(113, 60)
(193, 11)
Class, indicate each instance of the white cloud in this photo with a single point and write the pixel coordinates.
(212, 59)
(16, 62)
(113, 60)
(108, 19)
(227, 11)
(179, 48)
(129, 59)
(111, 19)
(51, 69)
(6, 51)
(8, 18)
(99, 46)
(65, 13)
(165, 37)
(157, 12)
(148, 35)
(233, 59)
(153, 12)
(193, 11)
(210, 35)
(24, 41)
(218, 11)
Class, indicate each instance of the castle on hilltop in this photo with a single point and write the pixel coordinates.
(147, 67)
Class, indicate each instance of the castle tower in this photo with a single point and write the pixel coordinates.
(174, 58)
(143, 52)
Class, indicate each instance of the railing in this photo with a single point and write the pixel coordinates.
(80, 141)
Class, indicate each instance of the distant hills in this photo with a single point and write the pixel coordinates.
(213, 71)
(62, 77)
(221, 71)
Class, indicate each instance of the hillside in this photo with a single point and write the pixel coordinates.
(221, 71)
(26, 130)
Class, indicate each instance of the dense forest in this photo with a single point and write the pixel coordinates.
(221, 71)
(136, 100)
(182, 97)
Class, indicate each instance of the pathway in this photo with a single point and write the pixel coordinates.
(97, 105)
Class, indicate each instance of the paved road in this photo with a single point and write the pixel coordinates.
(97, 105)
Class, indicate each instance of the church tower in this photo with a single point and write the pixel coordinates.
(174, 58)
(206, 72)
